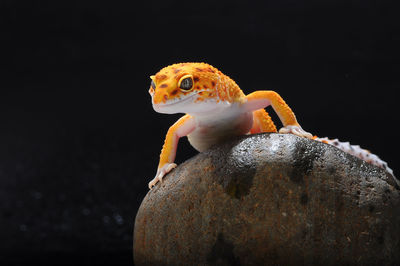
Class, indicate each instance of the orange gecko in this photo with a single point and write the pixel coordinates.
(216, 109)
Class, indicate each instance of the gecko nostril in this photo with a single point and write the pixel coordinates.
(165, 97)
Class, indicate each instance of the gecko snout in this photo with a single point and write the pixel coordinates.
(160, 97)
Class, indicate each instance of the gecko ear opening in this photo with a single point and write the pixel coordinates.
(186, 83)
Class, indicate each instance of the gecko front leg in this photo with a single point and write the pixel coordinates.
(181, 128)
(261, 99)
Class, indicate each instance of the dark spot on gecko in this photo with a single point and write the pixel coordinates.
(161, 77)
(174, 92)
(336, 143)
(177, 71)
(199, 69)
(205, 86)
(197, 87)
(164, 85)
(209, 69)
(195, 78)
(213, 83)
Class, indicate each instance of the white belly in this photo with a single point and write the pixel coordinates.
(219, 127)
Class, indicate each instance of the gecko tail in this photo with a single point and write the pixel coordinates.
(357, 151)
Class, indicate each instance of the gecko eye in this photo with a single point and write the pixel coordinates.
(186, 83)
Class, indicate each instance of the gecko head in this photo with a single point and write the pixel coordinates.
(185, 88)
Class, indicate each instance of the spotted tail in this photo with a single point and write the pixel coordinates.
(357, 151)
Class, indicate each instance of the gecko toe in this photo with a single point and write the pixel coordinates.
(295, 130)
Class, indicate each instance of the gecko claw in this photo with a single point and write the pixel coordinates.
(296, 130)
(161, 172)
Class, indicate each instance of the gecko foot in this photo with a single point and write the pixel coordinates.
(296, 130)
(161, 172)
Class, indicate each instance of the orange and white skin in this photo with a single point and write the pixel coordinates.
(216, 109)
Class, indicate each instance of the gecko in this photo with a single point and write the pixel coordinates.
(216, 109)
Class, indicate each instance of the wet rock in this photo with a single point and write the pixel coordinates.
(271, 199)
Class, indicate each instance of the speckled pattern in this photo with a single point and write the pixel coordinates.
(271, 199)
(69, 199)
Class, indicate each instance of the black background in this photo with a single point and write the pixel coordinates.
(79, 140)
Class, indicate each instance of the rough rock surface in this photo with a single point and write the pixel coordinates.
(271, 199)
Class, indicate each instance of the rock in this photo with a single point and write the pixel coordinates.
(271, 199)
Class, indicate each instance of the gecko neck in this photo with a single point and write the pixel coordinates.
(228, 90)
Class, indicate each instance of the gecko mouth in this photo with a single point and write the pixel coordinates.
(166, 107)
(176, 102)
